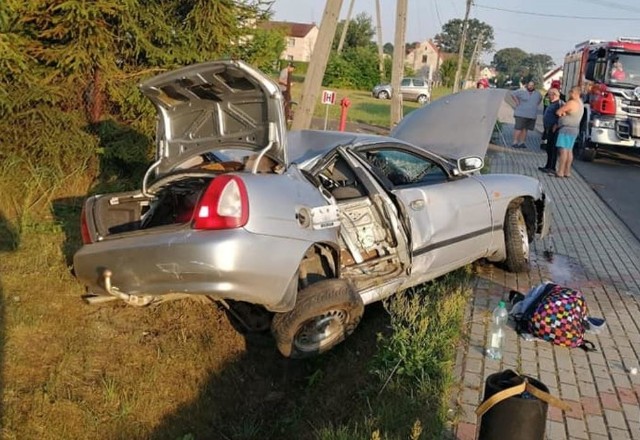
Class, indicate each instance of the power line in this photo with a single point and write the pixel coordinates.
(538, 37)
(612, 4)
(435, 3)
(455, 8)
(575, 17)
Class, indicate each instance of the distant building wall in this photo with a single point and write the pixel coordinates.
(425, 59)
(300, 48)
(300, 39)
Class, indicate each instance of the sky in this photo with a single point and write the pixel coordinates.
(551, 27)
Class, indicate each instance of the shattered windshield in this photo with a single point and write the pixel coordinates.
(624, 70)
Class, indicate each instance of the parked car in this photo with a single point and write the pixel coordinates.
(307, 226)
(414, 89)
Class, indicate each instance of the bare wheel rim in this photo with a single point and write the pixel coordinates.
(522, 233)
(422, 99)
(321, 330)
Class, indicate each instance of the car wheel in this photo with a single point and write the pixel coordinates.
(588, 154)
(422, 99)
(584, 149)
(326, 313)
(383, 95)
(516, 240)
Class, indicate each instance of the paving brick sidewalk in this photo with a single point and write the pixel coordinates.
(594, 252)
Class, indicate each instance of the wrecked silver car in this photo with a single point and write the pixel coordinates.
(307, 226)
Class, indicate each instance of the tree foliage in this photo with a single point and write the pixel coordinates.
(69, 69)
(448, 70)
(359, 33)
(357, 65)
(449, 39)
(517, 65)
(355, 68)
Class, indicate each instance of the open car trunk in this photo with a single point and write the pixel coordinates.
(124, 213)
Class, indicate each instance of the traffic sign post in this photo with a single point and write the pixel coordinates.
(328, 98)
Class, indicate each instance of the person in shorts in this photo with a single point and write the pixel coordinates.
(570, 118)
(527, 101)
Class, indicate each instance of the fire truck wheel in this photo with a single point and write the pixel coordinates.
(588, 154)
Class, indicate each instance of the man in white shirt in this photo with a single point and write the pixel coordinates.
(525, 113)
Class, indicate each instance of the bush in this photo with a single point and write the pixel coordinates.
(355, 68)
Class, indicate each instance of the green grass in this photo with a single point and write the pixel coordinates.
(180, 370)
(365, 108)
(412, 371)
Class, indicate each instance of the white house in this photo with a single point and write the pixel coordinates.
(425, 59)
(551, 75)
(300, 39)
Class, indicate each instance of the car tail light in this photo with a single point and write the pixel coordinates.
(84, 227)
(604, 102)
(224, 205)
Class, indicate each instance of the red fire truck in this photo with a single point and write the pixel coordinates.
(608, 73)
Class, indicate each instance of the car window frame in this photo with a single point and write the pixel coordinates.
(390, 185)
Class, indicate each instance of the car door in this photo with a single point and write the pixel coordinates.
(449, 217)
(419, 88)
(407, 89)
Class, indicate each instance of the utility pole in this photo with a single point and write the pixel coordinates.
(380, 48)
(463, 38)
(397, 68)
(345, 27)
(317, 66)
(474, 54)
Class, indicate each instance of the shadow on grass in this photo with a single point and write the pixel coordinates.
(261, 395)
(390, 380)
(9, 241)
(66, 212)
(123, 161)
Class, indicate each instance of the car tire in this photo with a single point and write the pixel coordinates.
(588, 154)
(423, 99)
(383, 95)
(516, 240)
(326, 313)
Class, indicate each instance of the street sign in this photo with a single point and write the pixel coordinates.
(328, 97)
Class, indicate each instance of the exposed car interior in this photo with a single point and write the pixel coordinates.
(340, 180)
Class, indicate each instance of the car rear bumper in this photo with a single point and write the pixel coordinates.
(233, 264)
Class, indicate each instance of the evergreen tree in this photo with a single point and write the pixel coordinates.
(69, 70)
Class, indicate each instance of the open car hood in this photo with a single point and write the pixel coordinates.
(454, 126)
(215, 105)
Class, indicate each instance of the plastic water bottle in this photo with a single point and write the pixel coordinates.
(497, 336)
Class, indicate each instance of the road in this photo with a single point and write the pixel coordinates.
(615, 177)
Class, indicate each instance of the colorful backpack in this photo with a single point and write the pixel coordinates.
(556, 314)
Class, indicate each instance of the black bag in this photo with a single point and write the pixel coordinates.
(515, 407)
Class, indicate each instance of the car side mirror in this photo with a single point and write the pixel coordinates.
(471, 164)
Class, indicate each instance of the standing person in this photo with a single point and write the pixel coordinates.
(555, 84)
(525, 113)
(550, 120)
(284, 81)
(570, 117)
